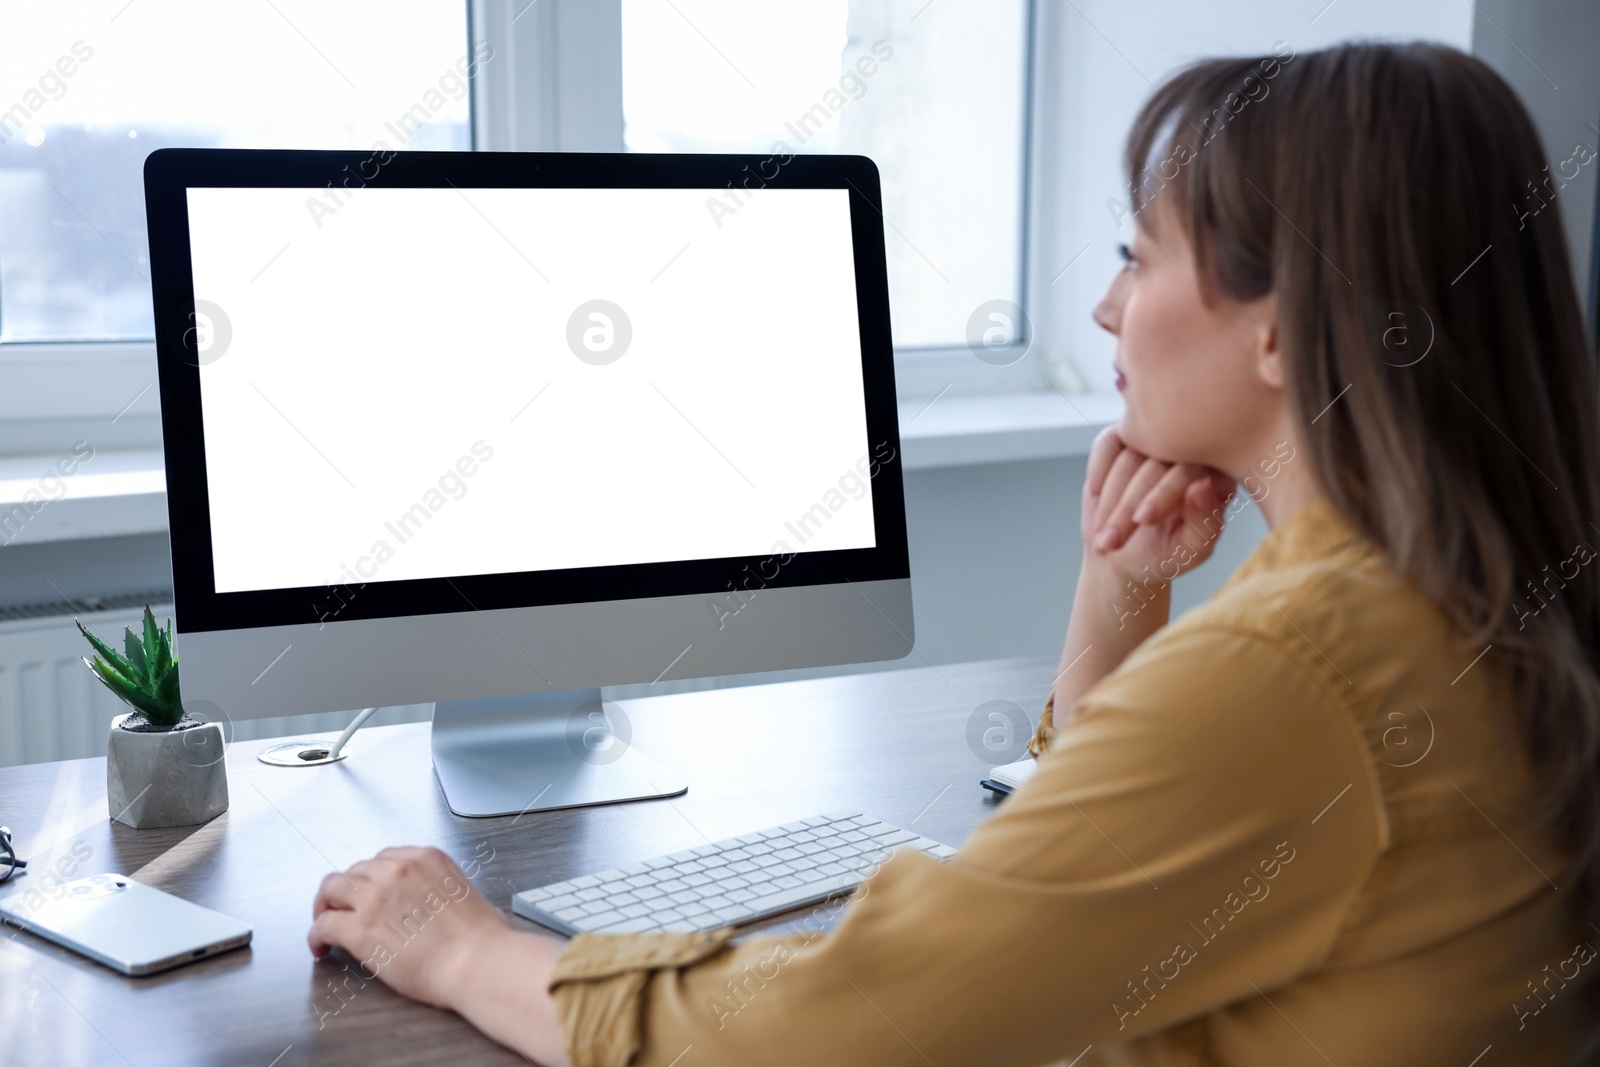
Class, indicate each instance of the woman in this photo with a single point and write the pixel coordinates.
(1344, 812)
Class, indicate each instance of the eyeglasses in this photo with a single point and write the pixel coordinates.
(9, 864)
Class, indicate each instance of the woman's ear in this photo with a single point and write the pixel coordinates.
(1269, 357)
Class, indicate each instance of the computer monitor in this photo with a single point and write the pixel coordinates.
(498, 429)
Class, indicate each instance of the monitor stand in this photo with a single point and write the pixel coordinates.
(539, 751)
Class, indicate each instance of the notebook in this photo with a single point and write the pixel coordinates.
(1004, 780)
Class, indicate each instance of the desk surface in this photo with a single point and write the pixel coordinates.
(895, 744)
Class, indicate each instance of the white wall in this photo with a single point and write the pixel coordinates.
(1546, 49)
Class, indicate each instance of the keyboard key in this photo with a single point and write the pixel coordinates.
(586, 882)
(772, 903)
(590, 923)
(631, 926)
(555, 904)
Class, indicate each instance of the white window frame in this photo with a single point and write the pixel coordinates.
(562, 92)
(554, 85)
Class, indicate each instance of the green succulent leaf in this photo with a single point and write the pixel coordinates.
(167, 694)
(164, 658)
(136, 656)
(130, 693)
(152, 636)
(115, 660)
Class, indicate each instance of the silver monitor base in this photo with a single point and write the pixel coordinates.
(537, 752)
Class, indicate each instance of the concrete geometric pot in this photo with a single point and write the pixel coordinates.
(172, 777)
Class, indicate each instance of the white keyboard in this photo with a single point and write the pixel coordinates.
(725, 883)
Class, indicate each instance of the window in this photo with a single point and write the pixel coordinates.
(88, 91)
(997, 126)
(935, 93)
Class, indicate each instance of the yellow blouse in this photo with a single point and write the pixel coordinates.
(1294, 827)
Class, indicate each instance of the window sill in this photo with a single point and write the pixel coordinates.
(115, 493)
(1002, 428)
(122, 492)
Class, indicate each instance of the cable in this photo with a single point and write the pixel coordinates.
(338, 746)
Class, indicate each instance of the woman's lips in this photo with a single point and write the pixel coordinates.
(1121, 381)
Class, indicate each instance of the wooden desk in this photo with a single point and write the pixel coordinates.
(893, 744)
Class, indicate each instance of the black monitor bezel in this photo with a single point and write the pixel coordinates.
(168, 173)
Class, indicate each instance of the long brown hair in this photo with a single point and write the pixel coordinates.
(1397, 202)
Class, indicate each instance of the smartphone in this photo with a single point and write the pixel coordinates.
(126, 925)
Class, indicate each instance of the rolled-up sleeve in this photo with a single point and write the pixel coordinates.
(1163, 861)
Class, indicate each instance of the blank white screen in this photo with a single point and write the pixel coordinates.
(397, 398)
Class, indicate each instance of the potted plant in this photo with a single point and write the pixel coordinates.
(163, 767)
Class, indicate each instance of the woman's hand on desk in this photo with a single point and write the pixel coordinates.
(410, 916)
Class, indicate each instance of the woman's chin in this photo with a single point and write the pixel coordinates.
(1137, 434)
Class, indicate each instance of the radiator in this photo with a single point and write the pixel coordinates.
(53, 708)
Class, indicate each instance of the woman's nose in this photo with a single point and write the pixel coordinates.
(1107, 314)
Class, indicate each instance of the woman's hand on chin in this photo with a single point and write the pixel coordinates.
(1139, 511)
